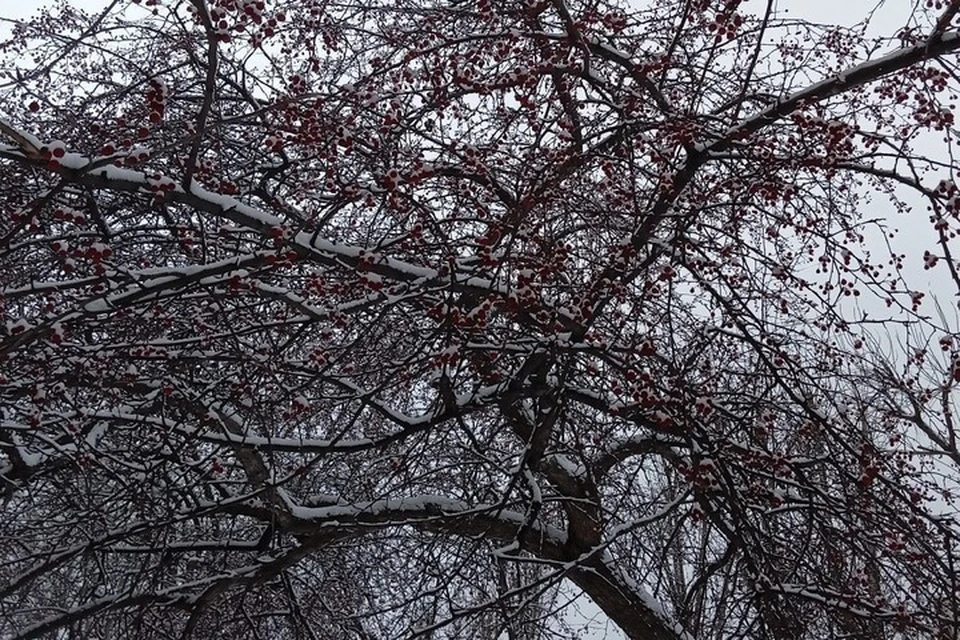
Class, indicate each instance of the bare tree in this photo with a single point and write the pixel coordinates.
(334, 320)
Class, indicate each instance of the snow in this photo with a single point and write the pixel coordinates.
(651, 603)
(300, 445)
(417, 508)
(210, 273)
(232, 208)
(320, 249)
(571, 468)
(829, 86)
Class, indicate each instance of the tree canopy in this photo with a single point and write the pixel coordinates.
(418, 319)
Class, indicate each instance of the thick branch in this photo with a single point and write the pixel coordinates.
(640, 617)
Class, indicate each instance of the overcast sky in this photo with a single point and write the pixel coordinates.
(889, 15)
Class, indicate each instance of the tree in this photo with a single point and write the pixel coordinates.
(334, 320)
